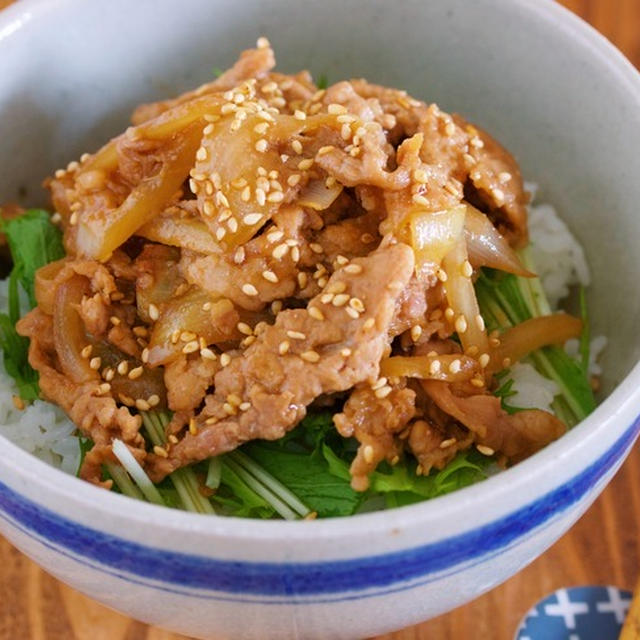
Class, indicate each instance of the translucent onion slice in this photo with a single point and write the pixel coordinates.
(434, 234)
(317, 196)
(461, 297)
(187, 233)
(197, 313)
(101, 232)
(487, 247)
(45, 288)
(450, 367)
(519, 341)
(69, 335)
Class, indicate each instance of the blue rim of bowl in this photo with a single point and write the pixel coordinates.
(182, 573)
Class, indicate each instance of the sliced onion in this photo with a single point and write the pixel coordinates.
(45, 288)
(461, 297)
(317, 196)
(423, 367)
(188, 233)
(487, 247)
(69, 335)
(194, 312)
(433, 235)
(519, 341)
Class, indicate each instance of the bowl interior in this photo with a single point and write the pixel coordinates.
(568, 120)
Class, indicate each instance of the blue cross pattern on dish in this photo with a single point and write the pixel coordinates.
(577, 613)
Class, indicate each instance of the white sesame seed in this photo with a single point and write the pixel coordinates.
(123, 367)
(480, 322)
(346, 352)
(208, 354)
(276, 307)
(270, 276)
(504, 177)
(310, 356)
(299, 115)
(454, 367)
(244, 406)
(379, 383)
(296, 145)
(296, 335)
(160, 452)
(303, 279)
(498, 194)
(449, 129)
(261, 128)
(368, 454)
(352, 313)
(245, 196)
(73, 218)
(154, 314)
(314, 312)
(447, 443)
(383, 392)
(252, 218)
(449, 313)
(86, 351)
(326, 149)
(243, 327)
(293, 179)
(249, 290)
(484, 359)
(368, 324)
(484, 450)
(135, 373)
(336, 109)
(280, 251)
(305, 164)
(337, 287)
(316, 248)
(261, 145)
(225, 359)
(295, 254)
(476, 142)
(95, 363)
(221, 232)
(416, 332)
(419, 199)
(191, 347)
(261, 196)
(357, 304)
(434, 367)
(275, 196)
(340, 300)
(201, 154)
(506, 362)
(283, 347)
(353, 268)
(461, 324)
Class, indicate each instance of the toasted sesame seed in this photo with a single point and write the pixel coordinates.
(261, 196)
(296, 145)
(420, 199)
(498, 194)
(366, 238)
(368, 454)
(123, 367)
(357, 304)
(108, 374)
(449, 314)
(368, 324)
(296, 335)
(270, 276)
(295, 254)
(86, 352)
(340, 300)
(238, 256)
(299, 115)
(135, 373)
(449, 129)
(154, 401)
(275, 196)
(193, 428)
(310, 356)
(420, 176)
(337, 287)
(225, 359)
(484, 450)
(187, 336)
(506, 362)
(455, 367)
(73, 219)
(261, 128)
(175, 336)
(252, 218)
(314, 312)
(416, 332)
(154, 314)
(461, 324)
(303, 279)
(276, 307)
(336, 109)
(60, 173)
(346, 352)
(280, 251)
(447, 443)
(274, 236)
(142, 405)
(326, 298)
(484, 360)
(435, 367)
(383, 392)
(352, 313)
(293, 179)
(342, 260)
(353, 268)
(283, 347)
(379, 383)
(326, 149)
(201, 154)
(244, 406)
(477, 381)
(261, 145)
(221, 232)
(305, 164)
(345, 132)
(249, 290)
(322, 282)
(160, 452)
(207, 354)
(228, 108)
(476, 142)
(504, 177)
(466, 269)
(95, 363)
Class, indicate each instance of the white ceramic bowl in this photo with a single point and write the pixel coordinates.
(553, 90)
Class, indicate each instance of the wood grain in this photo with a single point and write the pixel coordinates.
(603, 548)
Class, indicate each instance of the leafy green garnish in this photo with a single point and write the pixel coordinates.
(217, 72)
(34, 241)
(323, 81)
(507, 300)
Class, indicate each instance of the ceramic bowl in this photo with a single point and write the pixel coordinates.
(548, 86)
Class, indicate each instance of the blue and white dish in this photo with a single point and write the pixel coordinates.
(549, 87)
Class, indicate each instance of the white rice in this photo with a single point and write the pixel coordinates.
(45, 431)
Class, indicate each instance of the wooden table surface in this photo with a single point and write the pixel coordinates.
(603, 548)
